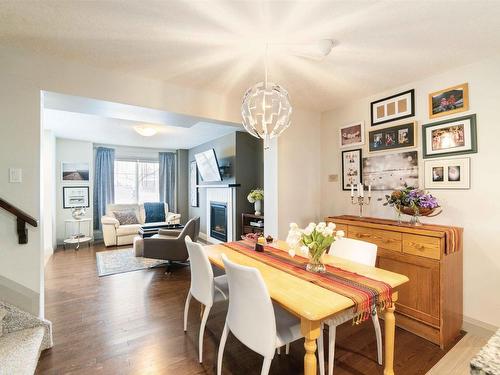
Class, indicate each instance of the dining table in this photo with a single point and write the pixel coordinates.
(311, 303)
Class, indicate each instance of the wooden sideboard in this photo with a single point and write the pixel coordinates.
(430, 304)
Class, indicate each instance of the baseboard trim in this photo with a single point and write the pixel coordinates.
(477, 327)
(19, 296)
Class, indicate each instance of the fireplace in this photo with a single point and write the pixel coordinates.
(218, 221)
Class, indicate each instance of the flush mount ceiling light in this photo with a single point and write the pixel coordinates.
(145, 130)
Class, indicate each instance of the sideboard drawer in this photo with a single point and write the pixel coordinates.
(428, 247)
(384, 239)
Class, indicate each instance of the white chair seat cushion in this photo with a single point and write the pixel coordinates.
(287, 326)
(221, 288)
(127, 230)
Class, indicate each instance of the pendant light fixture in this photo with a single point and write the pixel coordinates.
(266, 109)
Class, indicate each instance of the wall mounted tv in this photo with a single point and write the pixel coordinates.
(208, 166)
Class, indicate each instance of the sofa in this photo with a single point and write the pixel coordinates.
(115, 234)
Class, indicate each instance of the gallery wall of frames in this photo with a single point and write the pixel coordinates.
(392, 137)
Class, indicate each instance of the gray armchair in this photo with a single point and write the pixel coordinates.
(169, 244)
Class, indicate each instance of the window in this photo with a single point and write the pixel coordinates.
(136, 181)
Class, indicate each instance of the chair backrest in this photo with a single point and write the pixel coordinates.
(354, 250)
(250, 315)
(191, 229)
(202, 276)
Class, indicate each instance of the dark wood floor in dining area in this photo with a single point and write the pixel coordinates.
(131, 323)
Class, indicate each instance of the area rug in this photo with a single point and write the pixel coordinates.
(121, 261)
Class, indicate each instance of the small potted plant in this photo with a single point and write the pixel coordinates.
(414, 202)
(313, 241)
(256, 196)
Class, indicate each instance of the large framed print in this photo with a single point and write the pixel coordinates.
(394, 137)
(447, 173)
(75, 196)
(451, 137)
(449, 101)
(351, 168)
(193, 182)
(352, 135)
(395, 107)
(391, 171)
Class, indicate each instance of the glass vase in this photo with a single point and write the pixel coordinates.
(315, 263)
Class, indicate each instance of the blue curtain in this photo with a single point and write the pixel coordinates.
(167, 180)
(104, 182)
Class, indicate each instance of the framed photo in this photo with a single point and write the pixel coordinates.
(394, 137)
(447, 174)
(74, 171)
(450, 137)
(395, 107)
(193, 182)
(391, 171)
(449, 101)
(352, 135)
(351, 168)
(75, 196)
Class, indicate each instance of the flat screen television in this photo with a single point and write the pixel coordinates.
(208, 166)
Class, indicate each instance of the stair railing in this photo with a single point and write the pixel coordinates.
(22, 219)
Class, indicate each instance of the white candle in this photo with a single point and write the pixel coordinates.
(352, 189)
(362, 188)
(370, 190)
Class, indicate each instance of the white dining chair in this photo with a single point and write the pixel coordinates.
(253, 318)
(205, 288)
(359, 252)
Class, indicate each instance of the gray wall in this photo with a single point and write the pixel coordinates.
(183, 184)
(244, 154)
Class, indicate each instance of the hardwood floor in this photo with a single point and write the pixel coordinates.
(131, 323)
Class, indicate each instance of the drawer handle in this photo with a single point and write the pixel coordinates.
(420, 247)
(362, 235)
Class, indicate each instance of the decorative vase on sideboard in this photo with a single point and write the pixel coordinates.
(258, 207)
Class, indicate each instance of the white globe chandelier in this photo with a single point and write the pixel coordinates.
(266, 109)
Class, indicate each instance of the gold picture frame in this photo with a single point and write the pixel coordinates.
(454, 99)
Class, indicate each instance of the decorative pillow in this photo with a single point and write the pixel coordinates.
(155, 212)
(126, 217)
(2, 315)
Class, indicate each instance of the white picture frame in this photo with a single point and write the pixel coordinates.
(352, 135)
(447, 173)
(75, 171)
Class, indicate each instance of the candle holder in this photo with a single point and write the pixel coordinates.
(361, 201)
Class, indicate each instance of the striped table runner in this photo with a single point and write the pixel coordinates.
(364, 292)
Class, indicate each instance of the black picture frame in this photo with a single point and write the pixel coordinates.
(412, 110)
(378, 140)
(472, 149)
(66, 190)
(193, 182)
(359, 151)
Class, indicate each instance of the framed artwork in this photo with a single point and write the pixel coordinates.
(74, 171)
(352, 135)
(449, 101)
(394, 137)
(447, 174)
(391, 171)
(395, 107)
(75, 196)
(351, 168)
(193, 182)
(450, 137)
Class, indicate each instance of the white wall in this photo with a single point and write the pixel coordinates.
(69, 150)
(49, 193)
(476, 210)
(23, 76)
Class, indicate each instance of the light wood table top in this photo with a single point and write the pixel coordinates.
(301, 297)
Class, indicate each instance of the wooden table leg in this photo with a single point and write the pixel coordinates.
(390, 329)
(311, 331)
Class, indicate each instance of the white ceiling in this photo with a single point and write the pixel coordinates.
(219, 45)
(115, 131)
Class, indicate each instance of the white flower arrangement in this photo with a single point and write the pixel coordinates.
(313, 240)
(255, 195)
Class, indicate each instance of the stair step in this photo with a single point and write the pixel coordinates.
(19, 351)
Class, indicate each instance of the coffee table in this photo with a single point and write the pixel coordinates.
(150, 230)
